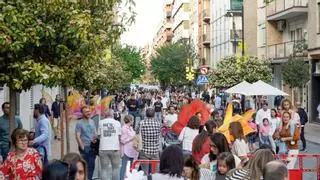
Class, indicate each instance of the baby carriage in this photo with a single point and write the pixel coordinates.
(169, 138)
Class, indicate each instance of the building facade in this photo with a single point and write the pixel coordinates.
(181, 19)
(314, 54)
(273, 30)
(226, 29)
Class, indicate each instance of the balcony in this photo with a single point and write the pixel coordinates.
(206, 40)
(206, 16)
(168, 14)
(284, 50)
(236, 36)
(286, 9)
(168, 36)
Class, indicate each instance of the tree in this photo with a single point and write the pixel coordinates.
(131, 56)
(168, 65)
(52, 42)
(233, 70)
(296, 72)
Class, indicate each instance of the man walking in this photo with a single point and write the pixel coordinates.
(85, 135)
(109, 150)
(303, 120)
(158, 107)
(150, 134)
(42, 139)
(265, 112)
(5, 131)
(55, 108)
(132, 105)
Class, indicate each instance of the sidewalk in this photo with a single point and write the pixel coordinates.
(312, 133)
(56, 145)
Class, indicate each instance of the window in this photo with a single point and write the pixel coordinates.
(299, 34)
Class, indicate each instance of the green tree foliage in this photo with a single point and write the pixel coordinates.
(169, 63)
(131, 56)
(233, 70)
(296, 72)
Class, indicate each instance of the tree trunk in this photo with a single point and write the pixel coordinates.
(62, 117)
(65, 89)
(13, 99)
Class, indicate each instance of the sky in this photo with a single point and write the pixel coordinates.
(149, 16)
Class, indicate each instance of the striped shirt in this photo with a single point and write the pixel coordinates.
(239, 174)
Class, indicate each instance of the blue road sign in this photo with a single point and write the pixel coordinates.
(202, 79)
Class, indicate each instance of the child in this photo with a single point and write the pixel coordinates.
(264, 132)
(253, 137)
(240, 146)
(225, 162)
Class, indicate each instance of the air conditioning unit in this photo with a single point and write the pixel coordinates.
(281, 25)
(317, 68)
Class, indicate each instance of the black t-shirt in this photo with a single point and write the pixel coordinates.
(158, 106)
(132, 105)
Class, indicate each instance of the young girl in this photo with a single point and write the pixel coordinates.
(253, 137)
(225, 162)
(240, 146)
(264, 132)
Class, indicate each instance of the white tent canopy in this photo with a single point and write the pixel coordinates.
(239, 88)
(258, 88)
(263, 89)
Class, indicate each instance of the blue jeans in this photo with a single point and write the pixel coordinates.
(158, 116)
(124, 162)
(4, 152)
(90, 157)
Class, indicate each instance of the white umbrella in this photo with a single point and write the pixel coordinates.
(263, 89)
(240, 88)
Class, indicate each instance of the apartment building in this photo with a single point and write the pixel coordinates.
(314, 54)
(273, 30)
(226, 29)
(181, 19)
(204, 34)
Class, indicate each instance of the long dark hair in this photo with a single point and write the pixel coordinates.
(171, 161)
(190, 162)
(202, 137)
(221, 144)
(59, 170)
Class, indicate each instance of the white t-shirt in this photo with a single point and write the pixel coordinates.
(109, 131)
(187, 136)
(171, 119)
(164, 102)
(261, 114)
(240, 148)
(274, 124)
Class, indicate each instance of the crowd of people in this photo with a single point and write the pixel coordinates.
(200, 151)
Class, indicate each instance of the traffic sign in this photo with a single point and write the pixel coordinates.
(202, 79)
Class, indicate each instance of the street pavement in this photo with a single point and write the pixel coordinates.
(311, 131)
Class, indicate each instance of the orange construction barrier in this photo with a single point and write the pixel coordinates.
(294, 174)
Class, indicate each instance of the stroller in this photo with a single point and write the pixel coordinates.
(169, 138)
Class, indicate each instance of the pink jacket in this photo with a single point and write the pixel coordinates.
(126, 140)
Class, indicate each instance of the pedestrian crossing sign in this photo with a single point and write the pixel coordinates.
(202, 79)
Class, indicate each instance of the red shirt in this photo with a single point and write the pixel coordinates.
(28, 167)
(205, 149)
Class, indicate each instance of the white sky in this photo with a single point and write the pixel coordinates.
(149, 16)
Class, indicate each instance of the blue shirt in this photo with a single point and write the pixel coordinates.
(4, 130)
(43, 133)
(87, 130)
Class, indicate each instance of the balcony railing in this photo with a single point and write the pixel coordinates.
(236, 35)
(283, 50)
(282, 8)
(206, 15)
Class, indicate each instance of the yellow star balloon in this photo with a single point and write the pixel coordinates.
(224, 128)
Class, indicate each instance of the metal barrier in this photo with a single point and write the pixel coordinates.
(294, 174)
